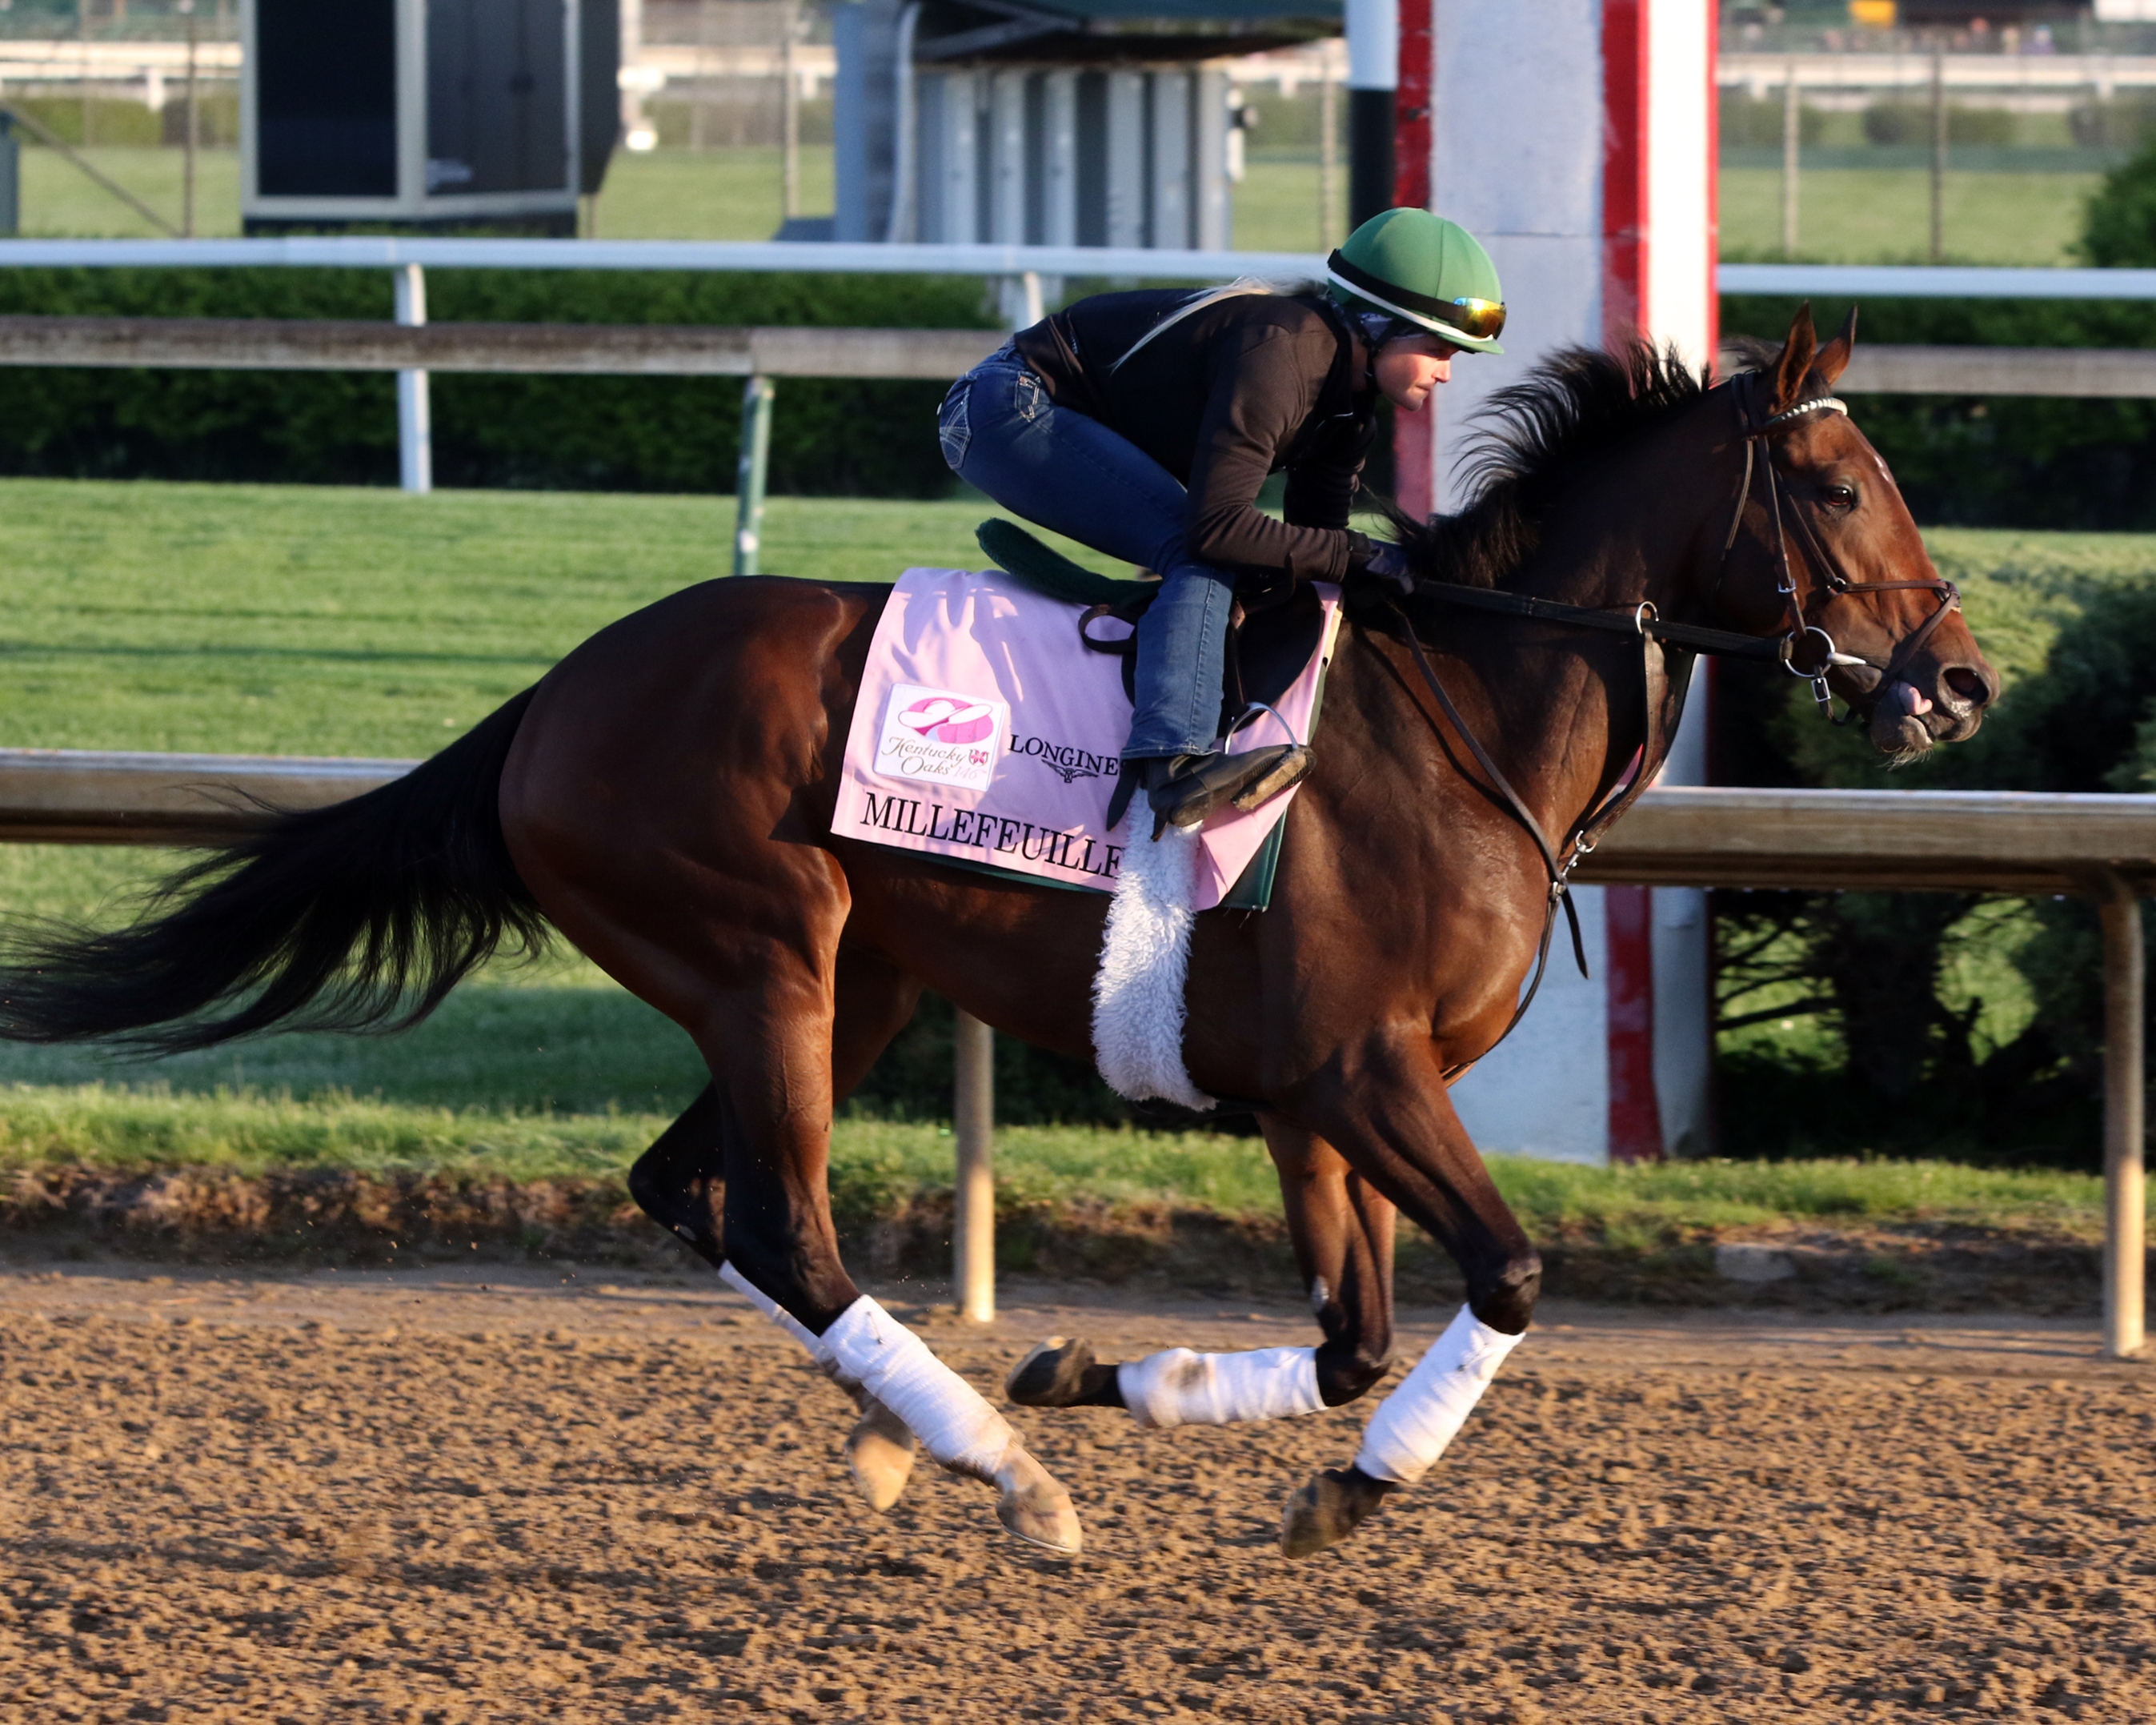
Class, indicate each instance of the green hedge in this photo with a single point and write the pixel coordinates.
(2002, 461)
(1891, 995)
(828, 436)
(2015, 461)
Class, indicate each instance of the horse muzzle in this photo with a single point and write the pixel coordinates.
(1942, 704)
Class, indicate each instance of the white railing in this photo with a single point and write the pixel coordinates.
(1942, 281)
(392, 251)
(389, 251)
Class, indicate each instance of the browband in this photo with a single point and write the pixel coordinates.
(1817, 404)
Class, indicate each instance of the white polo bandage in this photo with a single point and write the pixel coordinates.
(940, 1408)
(1180, 1387)
(794, 1327)
(1413, 1424)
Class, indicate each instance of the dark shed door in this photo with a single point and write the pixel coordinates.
(497, 98)
(325, 96)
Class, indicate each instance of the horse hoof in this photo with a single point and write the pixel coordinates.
(1032, 1507)
(1333, 1505)
(880, 1451)
(1052, 1375)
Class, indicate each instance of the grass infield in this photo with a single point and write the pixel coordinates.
(1865, 215)
(885, 1167)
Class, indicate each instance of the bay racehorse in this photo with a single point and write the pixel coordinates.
(664, 799)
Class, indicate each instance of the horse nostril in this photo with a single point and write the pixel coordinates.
(1967, 685)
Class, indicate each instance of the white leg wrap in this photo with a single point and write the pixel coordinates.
(939, 1407)
(1138, 1008)
(1413, 1424)
(798, 1331)
(1180, 1387)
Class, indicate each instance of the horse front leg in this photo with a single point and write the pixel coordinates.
(1387, 1112)
(1342, 1232)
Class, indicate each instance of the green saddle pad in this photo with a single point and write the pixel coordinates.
(1048, 572)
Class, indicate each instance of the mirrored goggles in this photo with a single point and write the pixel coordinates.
(1482, 319)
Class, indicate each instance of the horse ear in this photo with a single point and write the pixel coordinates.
(1834, 359)
(1795, 363)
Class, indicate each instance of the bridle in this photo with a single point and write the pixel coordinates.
(1804, 649)
(1807, 651)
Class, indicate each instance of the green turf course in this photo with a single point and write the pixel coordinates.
(1848, 215)
(355, 621)
(878, 1166)
(1883, 216)
(731, 193)
(368, 623)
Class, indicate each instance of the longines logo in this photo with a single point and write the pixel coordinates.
(1074, 763)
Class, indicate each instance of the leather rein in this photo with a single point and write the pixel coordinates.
(1804, 650)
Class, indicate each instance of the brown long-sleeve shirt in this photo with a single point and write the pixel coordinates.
(1245, 388)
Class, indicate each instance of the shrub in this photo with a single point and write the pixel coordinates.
(1294, 121)
(108, 120)
(616, 433)
(1911, 123)
(1757, 121)
(1899, 1053)
(2122, 123)
(2119, 231)
(2018, 461)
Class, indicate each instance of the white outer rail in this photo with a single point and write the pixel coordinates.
(2104, 846)
(1915, 281)
(387, 251)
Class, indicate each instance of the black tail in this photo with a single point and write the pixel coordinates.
(359, 916)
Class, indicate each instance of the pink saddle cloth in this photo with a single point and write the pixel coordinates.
(987, 732)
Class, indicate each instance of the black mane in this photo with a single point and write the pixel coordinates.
(1535, 437)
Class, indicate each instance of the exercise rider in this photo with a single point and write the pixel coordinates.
(1143, 423)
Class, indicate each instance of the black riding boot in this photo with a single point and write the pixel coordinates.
(1183, 789)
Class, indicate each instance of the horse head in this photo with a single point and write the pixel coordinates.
(1823, 551)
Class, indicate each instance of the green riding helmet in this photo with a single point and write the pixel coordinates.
(1420, 267)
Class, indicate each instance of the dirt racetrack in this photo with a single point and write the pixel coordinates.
(504, 1495)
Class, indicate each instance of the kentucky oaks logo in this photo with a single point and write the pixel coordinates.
(1072, 763)
(935, 736)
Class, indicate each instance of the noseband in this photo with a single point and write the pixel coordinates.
(1807, 651)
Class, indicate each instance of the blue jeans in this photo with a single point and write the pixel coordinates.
(1002, 432)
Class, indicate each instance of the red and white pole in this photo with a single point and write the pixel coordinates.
(1576, 138)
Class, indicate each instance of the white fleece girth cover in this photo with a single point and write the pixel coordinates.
(939, 1407)
(1138, 1009)
(1180, 1387)
(1413, 1424)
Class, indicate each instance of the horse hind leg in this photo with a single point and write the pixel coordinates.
(1342, 1232)
(679, 1182)
(775, 1062)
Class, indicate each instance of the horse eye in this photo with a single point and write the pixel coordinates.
(1840, 497)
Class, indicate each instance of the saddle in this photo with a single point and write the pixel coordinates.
(1273, 632)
